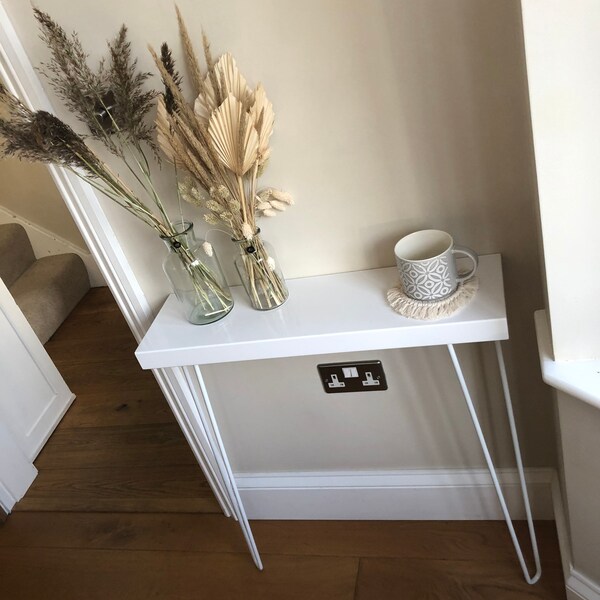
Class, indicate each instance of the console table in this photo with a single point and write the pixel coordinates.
(345, 312)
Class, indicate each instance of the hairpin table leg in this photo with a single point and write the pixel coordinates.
(492, 468)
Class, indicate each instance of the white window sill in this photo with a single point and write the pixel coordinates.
(578, 378)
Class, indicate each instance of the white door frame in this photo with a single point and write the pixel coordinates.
(82, 202)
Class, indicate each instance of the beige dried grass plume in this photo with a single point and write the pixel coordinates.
(191, 59)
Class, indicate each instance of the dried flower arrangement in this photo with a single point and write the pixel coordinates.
(222, 141)
(113, 104)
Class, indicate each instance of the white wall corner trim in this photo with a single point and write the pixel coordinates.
(578, 586)
(579, 379)
(437, 494)
(46, 243)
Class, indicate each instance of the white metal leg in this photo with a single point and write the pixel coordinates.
(517, 448)
(492, 468)
(225, 467)
(205, 462)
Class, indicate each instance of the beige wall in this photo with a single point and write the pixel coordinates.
(391, 116)
(28, 191)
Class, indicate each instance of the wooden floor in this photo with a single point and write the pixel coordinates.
(120, 511)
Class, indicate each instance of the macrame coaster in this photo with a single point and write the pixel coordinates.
(431, 310)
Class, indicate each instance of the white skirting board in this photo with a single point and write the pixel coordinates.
(578, 586)
(46, 243)
(440, 494)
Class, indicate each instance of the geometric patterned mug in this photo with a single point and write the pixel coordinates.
(427, 265)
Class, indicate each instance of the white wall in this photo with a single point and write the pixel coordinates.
(563, 64)
(391, 116)
(563, 67)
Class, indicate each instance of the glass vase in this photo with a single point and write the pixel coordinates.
(196, 276)
(261, 275)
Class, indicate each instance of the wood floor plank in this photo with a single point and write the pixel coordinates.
(99, 299)
(36, 574)
(461, 540)
(467, 541)
(124, 531)
(90, 325)
(418, 579)
(146, 406)
(102, 349)
(97, 315)
(136, 489)
(140, 445)
(119, 504)
(107, 377)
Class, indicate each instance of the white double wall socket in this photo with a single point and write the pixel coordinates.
(361, 376)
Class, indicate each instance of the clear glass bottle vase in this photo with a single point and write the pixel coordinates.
(261, 275)
(196, 276)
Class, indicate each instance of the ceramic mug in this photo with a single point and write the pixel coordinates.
(427, 265)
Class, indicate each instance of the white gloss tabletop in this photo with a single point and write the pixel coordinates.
(344, 312)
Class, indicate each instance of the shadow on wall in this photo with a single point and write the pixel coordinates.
(29, 192)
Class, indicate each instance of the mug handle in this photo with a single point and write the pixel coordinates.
(467, 252)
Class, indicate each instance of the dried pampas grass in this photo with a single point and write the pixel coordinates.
(191, 59)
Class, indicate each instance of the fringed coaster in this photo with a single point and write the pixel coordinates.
(431, 310)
